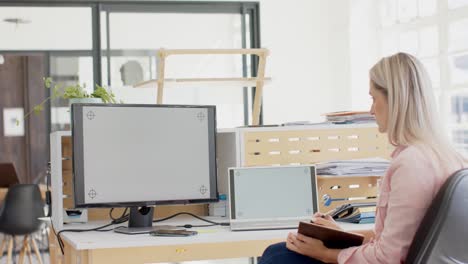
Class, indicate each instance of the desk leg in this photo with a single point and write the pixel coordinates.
(73, 256)
(55, 254)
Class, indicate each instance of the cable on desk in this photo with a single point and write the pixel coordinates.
(196, 216)
(124, 218)
(115, 221)
(191, 226)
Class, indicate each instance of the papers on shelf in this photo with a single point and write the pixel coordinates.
(350, 117)
(364, 167)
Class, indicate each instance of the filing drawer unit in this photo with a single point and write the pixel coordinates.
(294, 145)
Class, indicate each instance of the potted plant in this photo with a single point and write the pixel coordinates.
(74, 93)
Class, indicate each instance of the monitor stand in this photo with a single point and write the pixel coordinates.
(141, 222)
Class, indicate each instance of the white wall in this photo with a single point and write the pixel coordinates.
(309, 60)
(339, 56)
(364, 49)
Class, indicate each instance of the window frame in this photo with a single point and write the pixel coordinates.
(247, 10)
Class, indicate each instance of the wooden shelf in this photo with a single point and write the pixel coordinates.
(196, 82)
(259, 52)
(258, 81)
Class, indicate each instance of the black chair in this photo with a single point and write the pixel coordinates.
(442, 236)
(22, 208)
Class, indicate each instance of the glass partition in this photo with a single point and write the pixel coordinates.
(129, 57)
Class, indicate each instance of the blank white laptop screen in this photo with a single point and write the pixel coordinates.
(272, 192)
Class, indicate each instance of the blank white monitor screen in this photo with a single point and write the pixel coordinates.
(272, 192)
(134, 155)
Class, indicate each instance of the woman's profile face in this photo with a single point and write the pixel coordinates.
(379, 107)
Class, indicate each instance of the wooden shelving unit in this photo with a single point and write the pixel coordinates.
(258, 81)
(306, 144)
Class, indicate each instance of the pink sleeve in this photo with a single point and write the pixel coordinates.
(405, 200)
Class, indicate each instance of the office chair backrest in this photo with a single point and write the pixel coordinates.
(442, 236)
(22, 207)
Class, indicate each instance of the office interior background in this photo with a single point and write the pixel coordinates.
(321, 51)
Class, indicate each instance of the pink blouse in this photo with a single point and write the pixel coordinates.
(406, 191)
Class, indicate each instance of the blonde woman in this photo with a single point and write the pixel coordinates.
(423, 158)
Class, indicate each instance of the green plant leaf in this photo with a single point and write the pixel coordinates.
(74, 91)
(55, 92)
(47, 82)
(101, 92)
(68, 92)
(38, 109)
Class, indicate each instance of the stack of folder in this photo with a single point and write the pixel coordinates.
(361, 167)
(350, 117)
(358, 213)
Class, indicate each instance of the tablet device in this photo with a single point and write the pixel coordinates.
(331, 238)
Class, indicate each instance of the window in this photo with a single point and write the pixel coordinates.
(129, 53)
(67, 46)
(68, 69)
(452, 4)
(436, 33)
(133, 60)
(124, 53)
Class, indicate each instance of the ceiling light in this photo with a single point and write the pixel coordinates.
(16, 20)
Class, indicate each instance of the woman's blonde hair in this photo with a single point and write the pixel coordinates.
(412, 115)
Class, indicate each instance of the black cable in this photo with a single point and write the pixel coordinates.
(191, 226)
(60, 241)
(48, 195)
(124, 218)
(98, 229)
(124, 214)
(196, 216)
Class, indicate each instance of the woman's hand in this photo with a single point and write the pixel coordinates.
(325, 220)
(311, 247)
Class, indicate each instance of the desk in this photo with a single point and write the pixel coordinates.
(211, 243)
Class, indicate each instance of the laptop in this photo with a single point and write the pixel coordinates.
(275, 197)
(8, 175)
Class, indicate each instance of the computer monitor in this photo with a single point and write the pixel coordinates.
(139, 156)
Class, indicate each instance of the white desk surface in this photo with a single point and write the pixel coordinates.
(213, 234)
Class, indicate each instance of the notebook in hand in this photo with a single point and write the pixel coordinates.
(331, 238)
